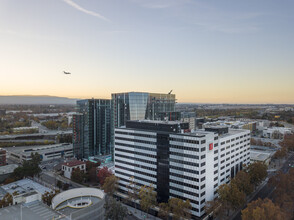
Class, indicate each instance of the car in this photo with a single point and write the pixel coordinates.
(130, 213)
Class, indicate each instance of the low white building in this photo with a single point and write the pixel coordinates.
(47, 152)
(261, 156)
(276, 132)
(25, 191)
(68, 167)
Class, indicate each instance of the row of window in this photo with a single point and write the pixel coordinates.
(136, 134)
(135, 140)
(135, 178)
(186, 170)
(136, 165)
(133, 158)
(184, 162)
(187, 155)
(136, 171)
(135, 146)
(135, 152)
(188, 148)
(188, 141)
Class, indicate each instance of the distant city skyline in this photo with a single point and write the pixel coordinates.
(206, 51)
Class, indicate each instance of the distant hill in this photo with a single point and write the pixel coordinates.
(36, 100)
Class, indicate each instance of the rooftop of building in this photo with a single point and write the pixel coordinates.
(73, 163)
(27, 150)
(25, 186)
(260, 155)
(29, 211)
(7, 169)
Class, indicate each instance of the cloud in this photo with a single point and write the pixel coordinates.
(76, 6)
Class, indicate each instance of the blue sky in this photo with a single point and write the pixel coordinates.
(206, 51)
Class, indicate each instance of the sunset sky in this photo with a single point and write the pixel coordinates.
(207, 51)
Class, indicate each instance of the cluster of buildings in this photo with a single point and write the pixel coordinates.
(156, 145)
(93, 126)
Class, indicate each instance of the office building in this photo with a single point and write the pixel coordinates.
(177, 162)
(140, 106)
(92, 128)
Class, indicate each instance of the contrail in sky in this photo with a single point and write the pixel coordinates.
(76, 6)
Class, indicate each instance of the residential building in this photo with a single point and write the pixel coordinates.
(68, 167)
(92, 128)
(177, 162)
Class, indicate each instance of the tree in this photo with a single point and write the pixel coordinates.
(262, 209)
(164, 211)
(92, 174)
(90, 165)
(214, 208)
(179, 208)
(102, 174)
(231, 197)
(114, 210)
(59, 184)
(280, 154)
(257, 172)
(48, 196)
(242, 181)
(110, 185)
(133, 191)
(28, 167)
(77, 175)
(65, 186)
(147, 198)
(284, 193)
(7, 200)
(288, 142)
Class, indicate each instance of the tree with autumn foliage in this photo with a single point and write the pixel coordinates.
(103, 174)
(179, 208)
(110, 184)
(48, 196)
(288, 142)
(147, 196)
(262, 209)
(257, 172)
(7, 200)
(284, 192)
(164, 211)
(242, 181)
(231, 197)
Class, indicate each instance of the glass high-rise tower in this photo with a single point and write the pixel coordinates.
(140, 106)
(92, 128)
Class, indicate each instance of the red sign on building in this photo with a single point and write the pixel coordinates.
(211, 146)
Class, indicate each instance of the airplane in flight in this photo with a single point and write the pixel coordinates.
(66, 72)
